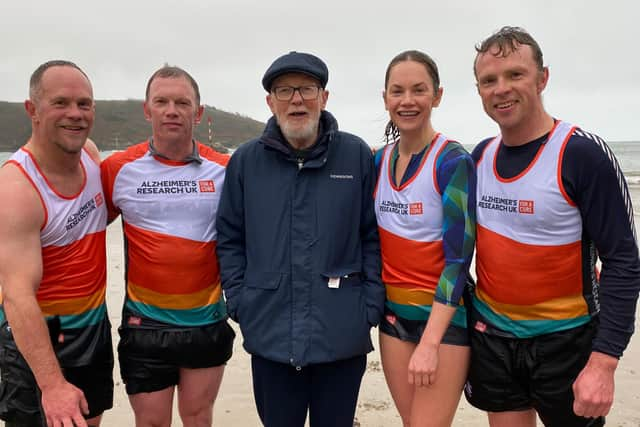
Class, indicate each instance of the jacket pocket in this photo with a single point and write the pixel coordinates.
(268, 280)
(347, 277)
(341, 326)
(254, 283)
(263, 312)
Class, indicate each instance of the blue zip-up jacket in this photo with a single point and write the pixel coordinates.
(288, 230)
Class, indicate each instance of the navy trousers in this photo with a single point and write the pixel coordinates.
(329, 391)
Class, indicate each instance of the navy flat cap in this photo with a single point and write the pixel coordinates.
(296, 62)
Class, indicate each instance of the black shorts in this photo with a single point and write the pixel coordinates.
(412, 330)
(20, 396)
(514, 374)
(151, 355)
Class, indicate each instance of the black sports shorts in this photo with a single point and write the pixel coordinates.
(412, 330)
(20, 395)
(514, 374)
(151, 354)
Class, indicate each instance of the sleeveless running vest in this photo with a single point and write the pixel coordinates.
(529, 258)
(410, 227)
(73, 246)
(169, 214)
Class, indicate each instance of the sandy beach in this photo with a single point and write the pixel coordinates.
(235, 406)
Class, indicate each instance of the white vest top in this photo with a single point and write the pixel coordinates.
(531, 208)
(529, 243)
(410, 223)
(414, 209)
(73, 245)
(67, 219)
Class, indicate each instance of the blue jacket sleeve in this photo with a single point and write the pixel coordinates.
(230, 246)
(371, 264)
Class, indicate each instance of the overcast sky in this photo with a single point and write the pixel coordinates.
(590, 46)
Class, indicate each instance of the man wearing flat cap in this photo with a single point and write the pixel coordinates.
(299, 253)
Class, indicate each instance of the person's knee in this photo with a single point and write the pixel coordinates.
(196, 415)
(143, 420)
(153, 409)
(195, 412)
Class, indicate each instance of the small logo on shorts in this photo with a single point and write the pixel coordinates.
(60, 338)
(391, 319)
(134, 320)
(479, 326)
(468, 389)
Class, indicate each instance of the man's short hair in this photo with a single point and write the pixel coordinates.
(507, 39)
(35, 82)
(173, 72)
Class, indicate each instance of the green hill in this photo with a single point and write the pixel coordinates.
(119, 124)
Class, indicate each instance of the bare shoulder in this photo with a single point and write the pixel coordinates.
(21, 207)
(92, 150)
(22, 214)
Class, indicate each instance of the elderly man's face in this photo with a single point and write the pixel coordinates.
(298, 118)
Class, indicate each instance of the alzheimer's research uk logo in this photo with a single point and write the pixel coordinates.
(389, 206)
(77, 217)
(207, 186)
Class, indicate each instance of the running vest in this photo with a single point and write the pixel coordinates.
(529, 244)
(74, 267)
(410, 228)
(169, 214)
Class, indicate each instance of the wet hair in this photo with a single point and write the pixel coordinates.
(391, 132)
(172, 72)
(507, 39)
(35, 82)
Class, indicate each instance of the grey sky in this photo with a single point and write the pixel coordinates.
(590, 47)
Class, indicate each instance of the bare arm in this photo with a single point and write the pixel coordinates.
(21, 217)
(423, 364)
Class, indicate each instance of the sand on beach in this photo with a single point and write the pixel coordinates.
(235, 405)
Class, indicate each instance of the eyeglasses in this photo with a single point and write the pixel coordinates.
(285, 93)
